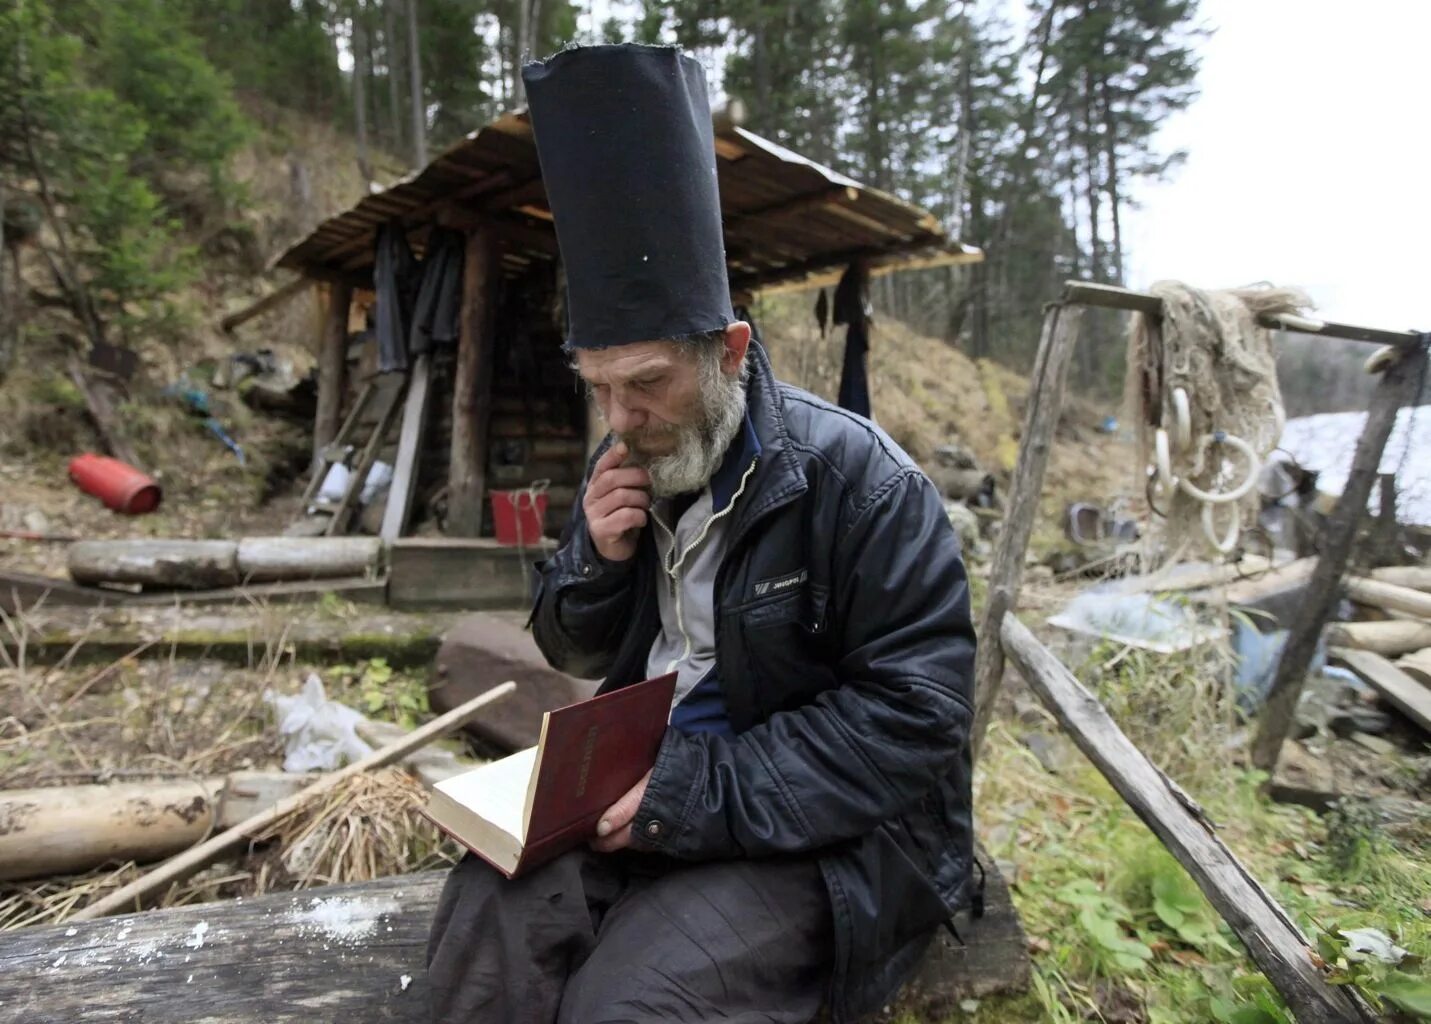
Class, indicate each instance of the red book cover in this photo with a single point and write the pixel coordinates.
(590, 753)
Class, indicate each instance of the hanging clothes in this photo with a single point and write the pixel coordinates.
(394, 276)
(436, 312)
(851, 306)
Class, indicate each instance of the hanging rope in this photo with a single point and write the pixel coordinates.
(1202, 389)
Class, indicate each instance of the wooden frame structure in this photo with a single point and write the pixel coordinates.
(1274, 942)
(788, 222)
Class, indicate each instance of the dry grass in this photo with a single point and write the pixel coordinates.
(152, 716)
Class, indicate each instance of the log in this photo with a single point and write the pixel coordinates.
(1389, 597)
(1417, 577)
(1060, 332)
(1275, 944)
(432, 572)
(1398, 688)
(1393, 637)
(352, 953)
(63, 830)
(405, 469)
(332, 365)
(472, 387)
(187, 564)
(1398, 387)
(269, 559)
(1417, 665)
(101, 412)
(272, 300)
(129, 896)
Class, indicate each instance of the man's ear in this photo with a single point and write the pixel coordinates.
(737, 341)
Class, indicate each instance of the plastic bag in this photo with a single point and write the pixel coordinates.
(318, 734)
(1138, 620)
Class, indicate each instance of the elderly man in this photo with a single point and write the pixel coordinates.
(806, 826)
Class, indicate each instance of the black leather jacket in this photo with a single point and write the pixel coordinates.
(850, 692)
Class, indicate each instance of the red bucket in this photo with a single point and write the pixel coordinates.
(119, 485)
(518, 516)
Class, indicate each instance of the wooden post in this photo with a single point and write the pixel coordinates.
(409, 452)
(1060, 332)
(1397, 387)
(332, 365)
(472, 387)
(1275, 944)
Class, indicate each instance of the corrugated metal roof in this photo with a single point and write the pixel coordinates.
(789, 222)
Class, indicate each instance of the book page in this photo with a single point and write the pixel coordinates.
(497, 792)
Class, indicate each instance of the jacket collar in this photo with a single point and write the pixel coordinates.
(778, 476)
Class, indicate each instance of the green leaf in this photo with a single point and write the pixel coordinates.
(374, 700)
(1252, 1015)
(1413, 995)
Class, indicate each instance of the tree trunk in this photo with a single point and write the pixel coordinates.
(359, 42)
(519, 89)
(1110, 149)
(419, 102)
(472, 388)
(392, 53)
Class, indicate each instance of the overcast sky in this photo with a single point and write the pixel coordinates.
(1309, 160)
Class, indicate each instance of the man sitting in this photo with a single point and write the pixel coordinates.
(806, 826)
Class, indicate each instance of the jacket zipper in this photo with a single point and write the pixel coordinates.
(672, 566)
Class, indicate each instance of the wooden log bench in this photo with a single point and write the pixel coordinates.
(350, 953)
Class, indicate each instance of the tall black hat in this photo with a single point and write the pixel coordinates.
(628, 158)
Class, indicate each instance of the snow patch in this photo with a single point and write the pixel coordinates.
(405, 981)
(341, 919)
(1327, 441)
(196, 937)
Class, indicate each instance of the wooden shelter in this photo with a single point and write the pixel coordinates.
(500, 410)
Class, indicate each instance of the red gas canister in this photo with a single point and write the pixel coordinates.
(119, 485)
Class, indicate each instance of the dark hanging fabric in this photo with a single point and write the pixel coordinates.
(851, 307)
(822, 312)
(394, 275)
(436, 313)
(628, 160)
(744, 313)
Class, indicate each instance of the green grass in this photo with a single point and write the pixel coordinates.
(1114, 921)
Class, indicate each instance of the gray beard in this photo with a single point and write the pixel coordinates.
(700, 446)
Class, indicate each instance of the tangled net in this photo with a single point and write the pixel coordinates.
(1202, 389)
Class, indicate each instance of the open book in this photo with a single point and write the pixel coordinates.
(538, 803)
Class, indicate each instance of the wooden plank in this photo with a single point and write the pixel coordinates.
(1275, 944)
(332, 366)
(128, 897)
(1390, 638)
(1108, 296)
(387, 409)
(1050, 370)
(322, 462)
(102, 413)
(245, 634)
(1417, 665)
(1397, 387)
(414, 429)
(1406, 694)
(1389, 597)
(272, 300)
(472, 387)
(426, 572)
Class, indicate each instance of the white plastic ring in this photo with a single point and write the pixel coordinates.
(1164, 460)
(1381, 360)
(1228, 540)
(1254, 466)
(1182, 421)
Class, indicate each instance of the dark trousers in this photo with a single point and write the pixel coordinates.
(631, 939)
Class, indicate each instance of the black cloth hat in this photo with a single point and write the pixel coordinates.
(628, 159)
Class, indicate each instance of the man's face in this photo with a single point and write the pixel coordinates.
(647, 392)
(675, 407)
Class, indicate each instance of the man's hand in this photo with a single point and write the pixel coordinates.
(613, 831)
(616, 504)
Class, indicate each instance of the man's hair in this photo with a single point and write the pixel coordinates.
(704, 347)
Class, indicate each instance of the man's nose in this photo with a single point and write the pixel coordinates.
(622, 417)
